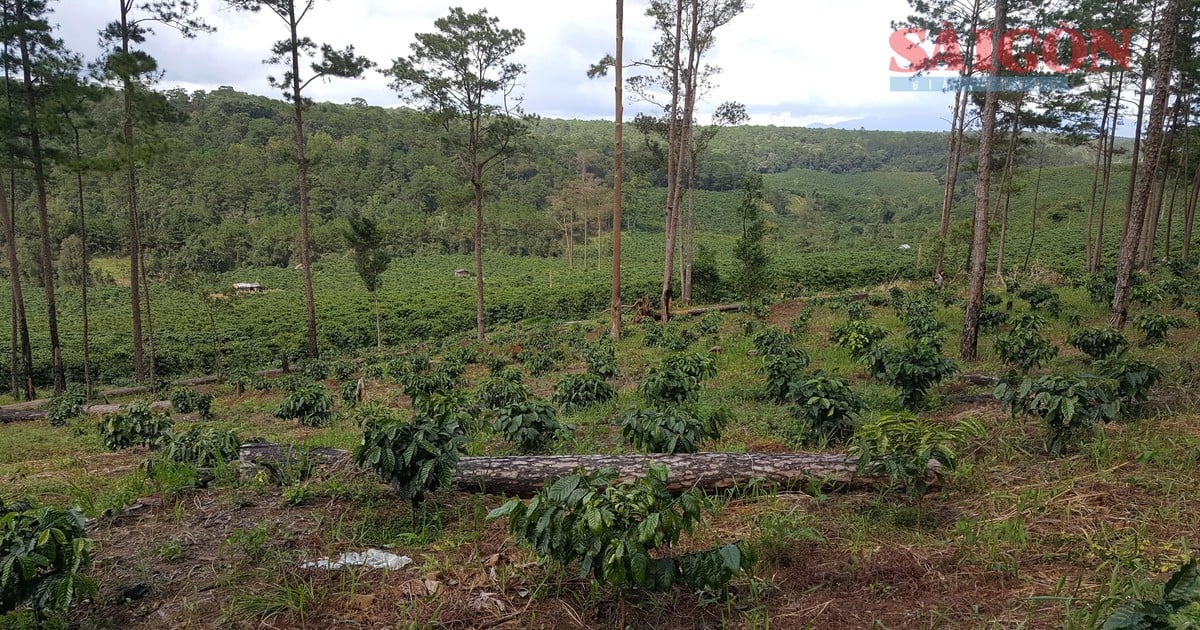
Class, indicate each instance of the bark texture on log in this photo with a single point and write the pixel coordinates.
(14, 415)
(716, 308)
(524, 475)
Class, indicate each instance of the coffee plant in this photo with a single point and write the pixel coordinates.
(186, 400)
(65, 406)
(1042, 296)
(601, 358)
(315, 369)
(611, 528)
(1023, 347)
(1097, 343)
(1134, 380)
(773, 342)
(348, 392)
(675, 430)
(1071, 406)
(494, 393)
(913, 369)
(416, 457)
(343, 369)
(137, 426)
(579, 391)
(202, 446)
(1179, 606)
(709, 324)
(678, 379)
(309, 403)
(539, 364)
(782, 374)
(827, 405)
(43, 552)
(530, 425)
(1155, 326)
(858, 337)
(900, 447)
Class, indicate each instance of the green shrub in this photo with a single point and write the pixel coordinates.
(43, 552)
(1070, 406)
(309, 403)
(539, 364)
(1147, 295)
(1179, 606)
(920, 317)
(772, 342)
(611, 528)
(601, 358)
(858, 337)
(416, 457)
(1024, 347)
(66, 406)
(510, 373)
(913, 368)
(827, 405)
(315, 369)
(138, 425)
(494, 393)
(900, 447)
(782, 375)
(674, 430)
(186, 400)
(1156, 326)
(1042, 296)
(578, 391)
(202, 446)
(1097, 343)
(710, 323)
(418, 384)
(678, 379)
(343, 369)
(1100, 289)
(348, 392)
(530, 425)
(1134, 380)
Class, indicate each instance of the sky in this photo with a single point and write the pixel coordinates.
(790, 62)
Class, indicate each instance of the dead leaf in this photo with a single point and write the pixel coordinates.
(488, 601)
(360, 602)
(432, 586)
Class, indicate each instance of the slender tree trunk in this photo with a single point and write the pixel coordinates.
(86, 264)
(477, 184)
(968, 346)
(953, 156)
(673, 133)
(1150, 233)
(618, 156)
(1101, 145)
(1006, 186)
(1154, 141)
(1189, 214)
(18, 299)
(151, 362)
(1137, 155)
(1098, 250)
(1037, 189)
(378, 326)
(310, 304)
(689, 232)
(39, 180)
(135, 239)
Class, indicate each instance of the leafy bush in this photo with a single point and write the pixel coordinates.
(1134, 379)
(510, 373)
(348, 392)
(186, 400)
(1097, 343)
(1069, 405)
(202, 446)
(782, 375)
(1156, 326)
(827, 405)
(43, 552)
(1040, 296)
(677, 379)
(415, 456)
(709, 324)
(900, 446)
(610, 528)
(858, 337)
(1100, 289)
(772, 342)
(418, 384)
(66, 406)
(310, 403)
(675, 430)
(315, 369)
(530, 425)
(1179, 606)
(139, 425)
(671, 337)
(921, 319)
(343, 369)
(601, 358)
(494, 393)
(1147, 295)
(913, 368)
(1024, 347)
(539, 364)
(578, 391)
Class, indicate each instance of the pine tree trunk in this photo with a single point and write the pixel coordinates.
(86, 267)
(135, 239)
(673, 135)
(618, 156)
(310, 305)
(20, 323)
(1101, 145)
(1154, 142)
(477, 184)
(1037, 189)
(969, 343)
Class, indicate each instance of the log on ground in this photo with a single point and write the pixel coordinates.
(711, 472)
(11, 415)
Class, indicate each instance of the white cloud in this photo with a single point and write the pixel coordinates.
(790, 62)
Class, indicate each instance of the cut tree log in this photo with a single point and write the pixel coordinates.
(125, 391)
(716, 308)
(16, 415)
(711, 472)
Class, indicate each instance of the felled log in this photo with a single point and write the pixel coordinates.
(11, 415)
(716, 308)
(524, 475)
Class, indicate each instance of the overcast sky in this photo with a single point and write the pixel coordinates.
(791, 62)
